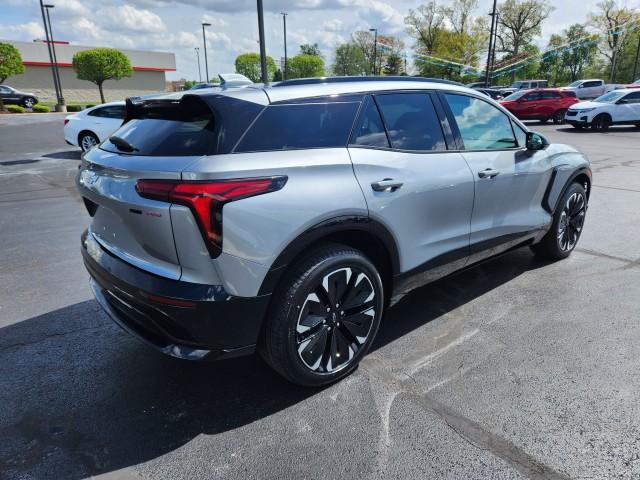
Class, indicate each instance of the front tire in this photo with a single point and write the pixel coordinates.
(601, 123)
(29, 102)
(568, 221)
(558, 117)
(324, 316)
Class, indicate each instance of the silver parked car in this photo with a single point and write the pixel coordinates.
(286, 218)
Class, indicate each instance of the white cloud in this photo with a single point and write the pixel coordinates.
(215, 21)
(26, 31)
(128, 18)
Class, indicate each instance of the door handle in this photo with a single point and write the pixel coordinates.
(386, 185)
(489, 173)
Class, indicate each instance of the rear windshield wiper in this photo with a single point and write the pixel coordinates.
(122, 144)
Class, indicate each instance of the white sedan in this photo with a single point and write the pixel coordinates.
(620, 107)
(88, 128)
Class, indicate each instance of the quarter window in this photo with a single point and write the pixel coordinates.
(411, 122)
(482, 126)
(298, 126)
(370, 130)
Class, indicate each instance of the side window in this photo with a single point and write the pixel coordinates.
(115, 111)
(411, 121)
(297, 126)
(521, 135)
(550, 95)
(633, 97)
(370, 130)
(532, 97)
(4, 90)
(482, 126)
(591, 84)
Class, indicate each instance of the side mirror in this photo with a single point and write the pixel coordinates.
(622, 101)
(535, 141)
(581, 85)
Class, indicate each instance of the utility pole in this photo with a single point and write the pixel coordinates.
(199, 70)
(204, 40)
(284, 26)
(263, 50)
(635, 63)
(48, 40)
(60, 106)
(375, 50)
(494, 27)
(493, 54)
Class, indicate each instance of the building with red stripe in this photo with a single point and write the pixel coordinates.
(148, 77)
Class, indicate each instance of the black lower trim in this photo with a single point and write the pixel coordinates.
(203, 321)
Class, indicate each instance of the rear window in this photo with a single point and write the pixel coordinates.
(300, 126)
(192, 126)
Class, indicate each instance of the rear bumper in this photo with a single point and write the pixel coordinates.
(185, 320)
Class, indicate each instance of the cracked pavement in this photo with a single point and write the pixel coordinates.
(516, 369)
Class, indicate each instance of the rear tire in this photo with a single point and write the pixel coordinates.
(568, 221)
(87, 140)
(601, 123)
(324, 316)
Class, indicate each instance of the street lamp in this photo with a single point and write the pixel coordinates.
(204, 41)
(375, 50)
(494, 25)
(46, 19)
(199, 70)
(284, 25)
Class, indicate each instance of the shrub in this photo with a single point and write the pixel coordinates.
(15, 108)
(41, 109)
(73, 108)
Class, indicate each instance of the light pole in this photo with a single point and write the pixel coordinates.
(54, 72)
(375, 50)
(263, 49)
(199, 70)
(284, 26)
(55, 57)
(204, 41)
(494, 25)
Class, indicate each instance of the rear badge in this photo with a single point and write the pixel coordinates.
(147, 213)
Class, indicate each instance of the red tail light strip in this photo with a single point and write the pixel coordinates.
(206, 199)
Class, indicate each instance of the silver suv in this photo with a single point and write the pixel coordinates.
(285, 219)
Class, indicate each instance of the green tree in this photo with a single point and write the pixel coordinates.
(100, 64)
(519, 22)
(613, 21)
(393, 65)
(189, 83)
(552, 63)
(305, 66)
(349, 60)
(248, 64)
(582, 52)
(308, 49)
(278, 76)
(10, 64)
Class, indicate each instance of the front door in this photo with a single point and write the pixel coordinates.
(412, 185)
(510, 180)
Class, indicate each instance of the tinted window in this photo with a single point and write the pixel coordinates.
(482, 126)
(633, 97)
(592, 84)
(5, 90)
(549, 94)
(114, 111)
(370, 130)
(411, 121)
(530, 97)
(295, 126)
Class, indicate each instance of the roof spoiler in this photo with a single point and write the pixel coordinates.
(230, 80)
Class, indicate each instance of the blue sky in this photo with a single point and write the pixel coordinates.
(174, 25)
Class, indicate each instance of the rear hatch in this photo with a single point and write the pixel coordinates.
(159, 139)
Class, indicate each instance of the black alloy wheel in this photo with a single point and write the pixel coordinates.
(571, 221)
(601, 123)
(558, 117)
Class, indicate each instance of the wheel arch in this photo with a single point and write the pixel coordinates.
(561, 178)
(357, 231)
(86, 130)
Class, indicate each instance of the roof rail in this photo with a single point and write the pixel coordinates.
(319, 80)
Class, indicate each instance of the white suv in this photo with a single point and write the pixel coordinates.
(620, 107)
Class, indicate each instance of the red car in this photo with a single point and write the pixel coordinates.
(540, 104)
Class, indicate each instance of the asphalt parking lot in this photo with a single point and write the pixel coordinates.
(515, 369)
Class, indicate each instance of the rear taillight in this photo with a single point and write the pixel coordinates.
(206, 199)
(66, 120)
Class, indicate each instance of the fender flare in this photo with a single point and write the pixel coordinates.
(556, 187)
(324, 229)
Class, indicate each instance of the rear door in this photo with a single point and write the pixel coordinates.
(510, 180)
(412, 184)
(629, 110)
(106, 120)
(548, 103)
